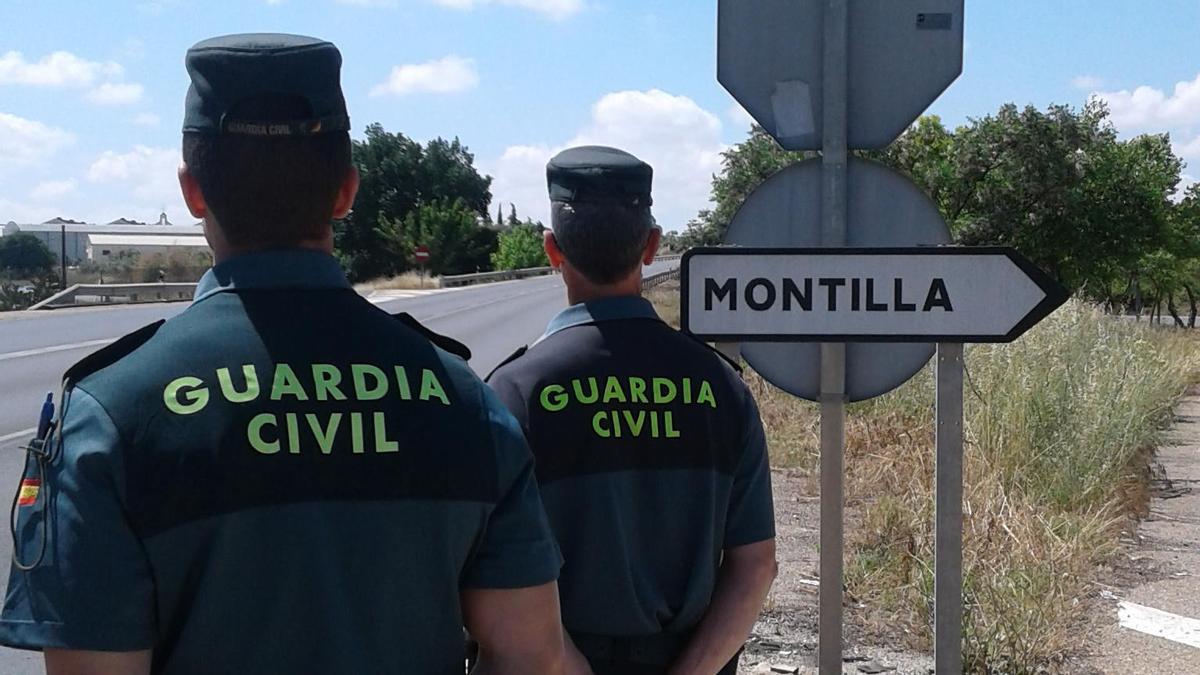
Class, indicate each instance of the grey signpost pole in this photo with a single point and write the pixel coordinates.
(948, 607)
(835, 85)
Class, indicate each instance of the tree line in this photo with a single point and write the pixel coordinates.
(1100, 214)
(428, 195)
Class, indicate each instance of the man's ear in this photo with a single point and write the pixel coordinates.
(553, 252)
(652, 244)
(346, 194)
(192, 196)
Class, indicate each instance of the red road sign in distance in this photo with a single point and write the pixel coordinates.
(421, 253)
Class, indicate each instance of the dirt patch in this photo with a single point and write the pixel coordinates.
(786, 632)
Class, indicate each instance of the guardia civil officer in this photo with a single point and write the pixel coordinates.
(283, 478)
(650, 452)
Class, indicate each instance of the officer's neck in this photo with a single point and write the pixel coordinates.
(580, 290)
(223, 249)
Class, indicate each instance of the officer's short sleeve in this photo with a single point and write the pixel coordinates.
(752, 509)
(93, 590)
(517, 548)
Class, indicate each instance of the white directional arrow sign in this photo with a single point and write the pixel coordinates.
(917, 294)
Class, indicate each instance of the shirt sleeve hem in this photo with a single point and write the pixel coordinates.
(36, 636)
(535, 573)
(751, 538)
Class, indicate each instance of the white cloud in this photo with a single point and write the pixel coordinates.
(444, 76)
(52, 190)
(1087, 82)
(60, 69)
(555, 9)
(146, 119)
(1147, 108)
(149, 173)
(1189, 150)
(738, 115)
(19, 212)
(116, 94)
(676, 136)
(25, 141)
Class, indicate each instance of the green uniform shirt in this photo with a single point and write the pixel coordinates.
(282, 479)
(651, 461)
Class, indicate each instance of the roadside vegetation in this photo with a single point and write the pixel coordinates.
(26, 272)
(401, 282)
(1059, 430)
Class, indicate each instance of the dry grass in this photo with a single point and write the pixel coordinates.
(1059, 428)
(405, 282)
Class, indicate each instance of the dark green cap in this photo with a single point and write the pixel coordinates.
(265, 85)
(595, 173)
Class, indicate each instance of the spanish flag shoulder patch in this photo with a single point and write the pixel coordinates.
(30, 487)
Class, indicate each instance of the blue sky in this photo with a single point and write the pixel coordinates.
(91, 92)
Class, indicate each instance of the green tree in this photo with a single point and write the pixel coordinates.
(520, 248)
(458, 243)
(399, 177)
(1057, 184)
(1062, 189)
(25, 256)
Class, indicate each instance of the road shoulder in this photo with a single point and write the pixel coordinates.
(1148, 623)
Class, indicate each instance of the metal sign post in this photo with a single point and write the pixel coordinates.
(948, 606)
(950, 295)
(835, 72)
(812, 317)
(421, 255)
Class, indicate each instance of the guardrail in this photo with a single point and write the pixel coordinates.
(488, 277)
(83, 295)
(660, 278)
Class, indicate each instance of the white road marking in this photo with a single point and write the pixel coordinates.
(24, 434)
(56, 348)
(1161, 624)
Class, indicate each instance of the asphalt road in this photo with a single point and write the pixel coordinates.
(37, 347)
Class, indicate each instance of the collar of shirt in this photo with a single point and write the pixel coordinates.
(607, 309)
(288, 268)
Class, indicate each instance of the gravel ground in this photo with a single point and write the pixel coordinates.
(786, 634)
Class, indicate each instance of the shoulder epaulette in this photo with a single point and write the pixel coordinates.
(724, 357)
(511, 357)
(114, 352)
(447, 343)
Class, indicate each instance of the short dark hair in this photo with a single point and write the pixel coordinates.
(269, 191)
(603, 240)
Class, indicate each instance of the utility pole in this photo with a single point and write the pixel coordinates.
(63, 254)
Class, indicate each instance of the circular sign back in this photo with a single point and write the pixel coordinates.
(884, 209)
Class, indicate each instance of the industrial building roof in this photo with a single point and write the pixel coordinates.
(173, 230)
(145, 240)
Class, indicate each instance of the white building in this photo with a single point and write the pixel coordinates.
(72, 237)
(101, 248)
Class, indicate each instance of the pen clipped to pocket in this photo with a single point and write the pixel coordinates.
(33, 489)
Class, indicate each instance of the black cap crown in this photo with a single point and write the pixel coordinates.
(595, 173)
(265, 85)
